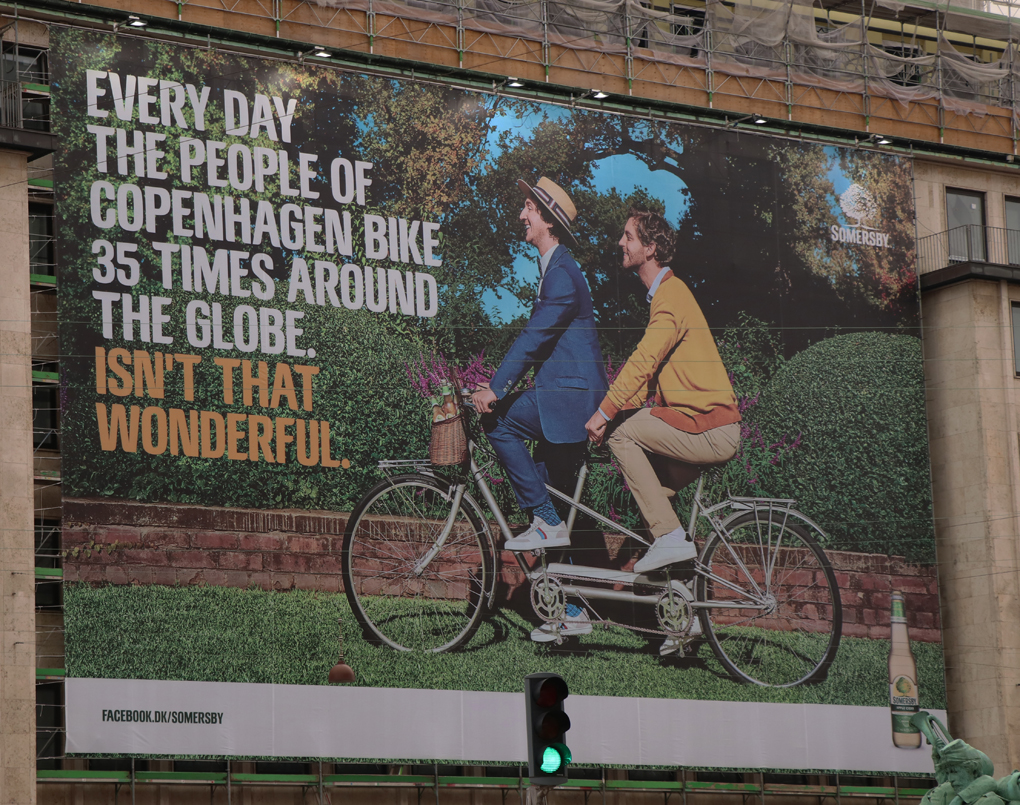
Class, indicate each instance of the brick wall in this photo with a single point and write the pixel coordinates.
(137, 543)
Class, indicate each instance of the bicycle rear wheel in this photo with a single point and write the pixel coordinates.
(778, 617)
(401, 598)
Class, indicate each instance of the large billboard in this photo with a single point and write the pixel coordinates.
(275, 280)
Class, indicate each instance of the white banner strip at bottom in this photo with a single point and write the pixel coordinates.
(134, 716)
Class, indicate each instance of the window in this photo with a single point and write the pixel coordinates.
(687, 22)
(916, 782)
(652, 775)
(965, 215)
(23, 63)
(40, 239)
(720, 777)
(280, 767)
(21, 67)
(1013, 231)
(47, 555)
(786, 779)
(1016, 338)
(361, 768)
(45, 417)
(49, 718)
(202, 766)
(910, 74)
(118, 764)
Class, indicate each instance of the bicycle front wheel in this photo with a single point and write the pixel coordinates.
(411, 588)
(774, 615)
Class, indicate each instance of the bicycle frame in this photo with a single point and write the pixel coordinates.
(578, 574)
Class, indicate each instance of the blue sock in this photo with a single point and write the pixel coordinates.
(548, 513)
(573, 611)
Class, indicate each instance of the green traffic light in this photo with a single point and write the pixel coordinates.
(552, 760)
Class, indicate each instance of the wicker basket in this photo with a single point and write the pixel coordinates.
(448, 445)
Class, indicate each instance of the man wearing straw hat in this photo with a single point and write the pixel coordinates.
(560, 344)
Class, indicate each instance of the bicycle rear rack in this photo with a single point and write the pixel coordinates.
(414, 465)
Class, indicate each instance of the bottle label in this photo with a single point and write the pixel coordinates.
(898, 610)
(903, 702)
(901, 724)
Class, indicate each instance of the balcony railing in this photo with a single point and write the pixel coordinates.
(968, 244)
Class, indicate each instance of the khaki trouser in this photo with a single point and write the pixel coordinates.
(658, 460)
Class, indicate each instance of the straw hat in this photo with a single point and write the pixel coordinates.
(551, 196)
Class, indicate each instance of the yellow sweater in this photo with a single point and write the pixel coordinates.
(677, 363)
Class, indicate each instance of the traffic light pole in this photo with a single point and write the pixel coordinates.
(538, 794)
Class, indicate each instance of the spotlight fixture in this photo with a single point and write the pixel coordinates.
(513, 83)
(318, 52)
(597, 94)
(756, 119)
(135, 22)
(879, 139)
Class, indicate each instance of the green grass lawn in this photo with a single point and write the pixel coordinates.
(231, 635)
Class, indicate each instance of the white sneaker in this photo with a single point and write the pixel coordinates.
(671, 645)
(570, 626)
(667, 550)
(540, 535)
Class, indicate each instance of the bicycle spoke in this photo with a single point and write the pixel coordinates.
(398, 601)
(791, 632)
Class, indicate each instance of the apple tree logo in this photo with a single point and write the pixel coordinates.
(859, 206)
(857, 203)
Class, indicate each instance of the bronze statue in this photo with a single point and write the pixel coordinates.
(964, 773)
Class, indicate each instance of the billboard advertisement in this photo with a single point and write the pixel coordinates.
(454, 387)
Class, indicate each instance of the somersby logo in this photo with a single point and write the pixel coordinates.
(859, 206)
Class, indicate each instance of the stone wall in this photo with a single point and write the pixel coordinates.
(17, 541)
(282, 550)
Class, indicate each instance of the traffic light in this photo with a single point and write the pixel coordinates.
(548, 754)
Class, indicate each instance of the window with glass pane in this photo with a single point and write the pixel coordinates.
(1013, 231)
(1016, 338)
(49, 721)
(47, 555)
(965, 214)
(40, 239)
(22, 63)
(45, 418)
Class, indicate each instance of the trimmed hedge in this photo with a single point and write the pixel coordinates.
(861, 468)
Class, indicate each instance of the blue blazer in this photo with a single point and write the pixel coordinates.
(560, 341)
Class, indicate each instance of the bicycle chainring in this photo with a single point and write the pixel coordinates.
(675, 614)
(548, 599)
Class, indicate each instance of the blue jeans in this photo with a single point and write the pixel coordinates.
(516, 422)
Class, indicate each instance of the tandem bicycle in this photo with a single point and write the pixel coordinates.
(421, 562)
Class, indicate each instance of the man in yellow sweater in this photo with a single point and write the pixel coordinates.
(695, 421)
